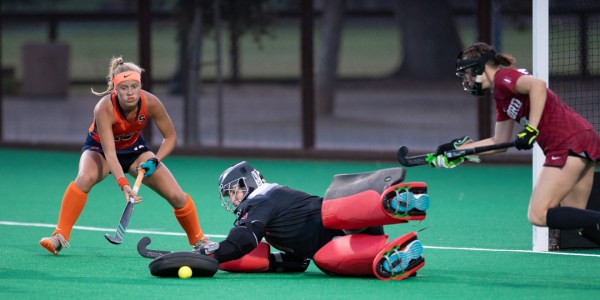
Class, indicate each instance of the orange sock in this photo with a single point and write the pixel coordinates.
(70, 209)
(188, 219)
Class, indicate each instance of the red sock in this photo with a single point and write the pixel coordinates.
(72, 204)
(188, 219)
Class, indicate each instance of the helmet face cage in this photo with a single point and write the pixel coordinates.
(241, 176)
(470, 71)
(470, 75)
(231, 188)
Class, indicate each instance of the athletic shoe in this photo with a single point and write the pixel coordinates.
(399, 259)
(591, 234)
(205, 246)
(54, 243)
(406, 201)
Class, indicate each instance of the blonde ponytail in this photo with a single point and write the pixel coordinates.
(117, 65)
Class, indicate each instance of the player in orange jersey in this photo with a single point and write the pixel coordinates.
(114, 145)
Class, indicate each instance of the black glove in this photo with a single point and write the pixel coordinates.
(526, 138)
(453, 145)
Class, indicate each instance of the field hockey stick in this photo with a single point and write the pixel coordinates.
(426, 159)
(118, 238)
(142, 248)
(148, 253)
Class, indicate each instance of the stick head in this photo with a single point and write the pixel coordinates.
(412, 160)
(143, 243)
(148, 253)
(114, 240)
(401, 155)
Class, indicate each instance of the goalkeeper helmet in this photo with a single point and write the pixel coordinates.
(241, 177)
(470, 65)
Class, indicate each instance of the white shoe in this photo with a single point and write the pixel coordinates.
(205, 246)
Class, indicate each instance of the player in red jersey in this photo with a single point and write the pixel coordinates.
(569, 142)
(114, 145)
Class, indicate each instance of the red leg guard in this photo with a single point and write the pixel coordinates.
(255, 261)
(350, 255)
(357, 211)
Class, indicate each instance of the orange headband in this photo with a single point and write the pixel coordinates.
(128, 75)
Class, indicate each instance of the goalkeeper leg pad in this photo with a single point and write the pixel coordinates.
(350, 255)
(254, 262)
(399, 203)
(399, 259)
(360, 210)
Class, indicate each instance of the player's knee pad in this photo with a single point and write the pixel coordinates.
(406, 201)
(399, 259)
(255, 261)
(350, 255)
(356, 211)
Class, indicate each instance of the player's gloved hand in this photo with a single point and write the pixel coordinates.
(526, 138)
(441, 161)
(149, 166)
(452, 145)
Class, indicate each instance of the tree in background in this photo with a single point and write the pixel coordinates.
(429, 40)
(426, 28)
(240, 18)
(328, 55)
(196, 20)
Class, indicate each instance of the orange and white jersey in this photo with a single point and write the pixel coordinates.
(126, 133)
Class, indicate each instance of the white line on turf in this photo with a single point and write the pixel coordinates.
(512, 250)
(8, 223)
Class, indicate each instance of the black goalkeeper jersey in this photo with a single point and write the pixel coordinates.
(291, 219)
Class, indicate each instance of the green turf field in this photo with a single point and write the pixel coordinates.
(477, 241)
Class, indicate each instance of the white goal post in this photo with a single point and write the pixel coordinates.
(540, 64)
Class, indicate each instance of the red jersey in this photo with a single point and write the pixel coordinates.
(558, 122)
(126, 133)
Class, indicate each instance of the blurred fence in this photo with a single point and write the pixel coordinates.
(374, 111)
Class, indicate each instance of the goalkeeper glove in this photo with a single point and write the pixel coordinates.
(526, 138)
(149, 166)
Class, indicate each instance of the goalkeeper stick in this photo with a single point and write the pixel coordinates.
(118, 238)
(142, 248)
(149, 253)
(419, 160)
